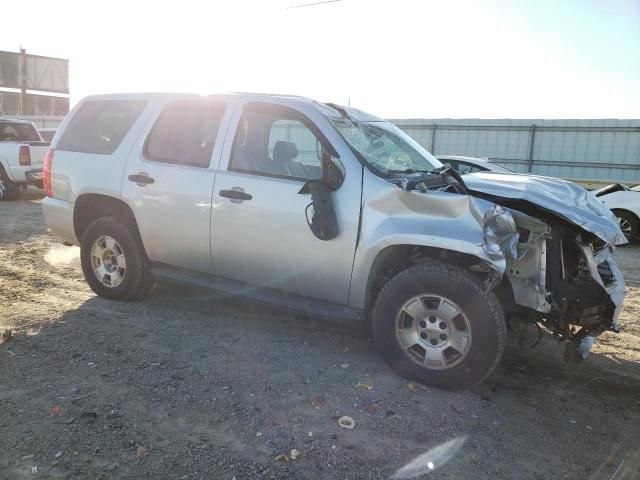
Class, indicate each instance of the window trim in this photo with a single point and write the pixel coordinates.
(145, 152)
(294, 115)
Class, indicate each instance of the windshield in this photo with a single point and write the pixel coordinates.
(385, 148)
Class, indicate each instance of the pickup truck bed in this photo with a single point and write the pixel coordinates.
(22, 153)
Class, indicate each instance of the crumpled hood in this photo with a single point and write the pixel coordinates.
(560, 197)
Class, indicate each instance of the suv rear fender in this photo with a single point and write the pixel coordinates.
(90, 207)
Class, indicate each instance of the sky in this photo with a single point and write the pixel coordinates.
(395, 58)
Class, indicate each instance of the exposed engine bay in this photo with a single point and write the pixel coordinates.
(555, 242)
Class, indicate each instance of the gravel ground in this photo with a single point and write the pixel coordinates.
(189, 385)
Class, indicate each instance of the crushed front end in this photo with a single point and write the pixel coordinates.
(563, 276)
(566, 281)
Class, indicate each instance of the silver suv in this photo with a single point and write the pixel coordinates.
(330, 211)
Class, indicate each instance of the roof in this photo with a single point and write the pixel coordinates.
(14, 120)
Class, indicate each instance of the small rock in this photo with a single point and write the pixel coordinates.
(411, 387)
(344, 365)
(58, 455)
(141, 452)
(573, 421)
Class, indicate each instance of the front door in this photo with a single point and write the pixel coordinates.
(260, 233)
(169, 182)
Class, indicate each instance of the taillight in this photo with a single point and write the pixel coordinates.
(46, 173)
(24, 156)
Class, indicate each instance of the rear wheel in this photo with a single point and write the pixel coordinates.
(113, 260)
(8, 189)
(628, 223)
(434, 325)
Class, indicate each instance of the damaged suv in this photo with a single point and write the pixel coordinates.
(330, 211)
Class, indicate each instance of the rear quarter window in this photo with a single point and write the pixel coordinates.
(99, 126)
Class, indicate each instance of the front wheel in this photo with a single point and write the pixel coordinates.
(628, 224)
(434, 325)
(113, 260)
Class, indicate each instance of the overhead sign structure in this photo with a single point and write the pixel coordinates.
(12, 103)
(33, 72)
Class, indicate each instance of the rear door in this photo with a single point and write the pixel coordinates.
(169, 179)
(259, 233)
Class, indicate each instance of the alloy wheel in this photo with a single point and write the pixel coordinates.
(433, 331)
(108, 261)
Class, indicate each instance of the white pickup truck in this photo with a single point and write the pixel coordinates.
(22, 152)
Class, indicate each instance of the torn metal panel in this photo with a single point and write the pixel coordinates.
(600, 263)
(559, 197)
(527, 271)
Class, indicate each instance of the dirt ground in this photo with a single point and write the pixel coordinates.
(188, 385)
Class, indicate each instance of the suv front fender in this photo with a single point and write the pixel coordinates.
(441, 221)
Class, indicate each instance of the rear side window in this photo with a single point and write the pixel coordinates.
(185, 133)
(18, 132)
(99, 126)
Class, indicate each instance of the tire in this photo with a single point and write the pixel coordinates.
(628, 224)
(8, 189)
(111, 248)
(466, 351)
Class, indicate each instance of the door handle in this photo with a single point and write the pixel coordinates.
(141, 179)
(236, 194)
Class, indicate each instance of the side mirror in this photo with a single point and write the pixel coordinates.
(332, 172)
(320, 214)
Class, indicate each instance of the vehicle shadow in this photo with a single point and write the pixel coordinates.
(188, 364)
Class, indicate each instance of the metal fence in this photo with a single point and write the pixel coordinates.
(590, 151)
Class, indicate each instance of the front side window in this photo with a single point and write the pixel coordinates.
(276, 141)
(185, 133)
(100, 125)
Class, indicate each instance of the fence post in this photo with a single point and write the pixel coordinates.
(532, 139)
(432, 150)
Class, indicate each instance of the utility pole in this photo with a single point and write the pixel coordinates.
(23, 80)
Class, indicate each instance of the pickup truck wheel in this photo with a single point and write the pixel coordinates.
(434, 325)
(113, 260)
(8, 189)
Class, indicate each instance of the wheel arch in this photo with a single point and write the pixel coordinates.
(90, 206)
(626, 210)
(4, 166)
(395, 258)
